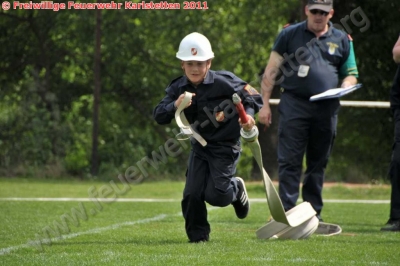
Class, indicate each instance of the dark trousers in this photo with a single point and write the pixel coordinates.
(304, 128)
(394, 170)
(209, 178)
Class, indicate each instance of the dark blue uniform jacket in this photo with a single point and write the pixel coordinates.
(212, 112)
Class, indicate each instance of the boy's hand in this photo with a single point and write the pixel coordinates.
(249, 125)
(180, 99)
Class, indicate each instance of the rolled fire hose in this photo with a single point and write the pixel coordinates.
(299, 222)
(180, 118)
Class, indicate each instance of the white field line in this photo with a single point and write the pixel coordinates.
(92, 231)
(339, 201)
(255, 200)
(160, 217)
(91, 199)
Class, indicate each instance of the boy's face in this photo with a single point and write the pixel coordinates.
(196, 71)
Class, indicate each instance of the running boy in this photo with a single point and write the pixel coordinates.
(210, 174)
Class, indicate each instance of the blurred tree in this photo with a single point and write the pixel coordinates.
(96, 95)
(374, 29)
(35, 83)
(47, 74)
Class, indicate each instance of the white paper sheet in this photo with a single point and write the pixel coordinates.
(334, 93)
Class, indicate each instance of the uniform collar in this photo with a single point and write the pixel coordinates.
(209, 77)
(208, 80)
(328, 33)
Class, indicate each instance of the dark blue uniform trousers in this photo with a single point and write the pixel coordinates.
(304, 128)
(209, 178)
(394, 170)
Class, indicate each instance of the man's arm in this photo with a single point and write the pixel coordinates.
(270, 73)
(396, 52)
(267, 85)
(349, 70)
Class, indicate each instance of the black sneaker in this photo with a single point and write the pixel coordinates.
(241, 204)
(392, 226)
(319, 218)
(390, 222)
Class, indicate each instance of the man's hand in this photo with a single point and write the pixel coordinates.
(349, 81)
(264, 115)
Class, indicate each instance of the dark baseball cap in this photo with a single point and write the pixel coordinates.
(324, 5)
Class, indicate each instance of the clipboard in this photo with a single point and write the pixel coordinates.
(334, 93)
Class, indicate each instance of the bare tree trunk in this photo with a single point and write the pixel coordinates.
(96, 96)
(302, 10)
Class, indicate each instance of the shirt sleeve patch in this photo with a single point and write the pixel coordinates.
(250, 90)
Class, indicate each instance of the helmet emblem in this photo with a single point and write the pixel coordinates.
(194, 51)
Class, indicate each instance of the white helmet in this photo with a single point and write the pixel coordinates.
(195, 47)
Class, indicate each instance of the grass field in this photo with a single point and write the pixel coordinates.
(65, 223)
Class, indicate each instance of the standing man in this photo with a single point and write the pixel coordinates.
(312, 57)
(394, 172)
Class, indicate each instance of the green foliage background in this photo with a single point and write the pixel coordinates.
(47, 82)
